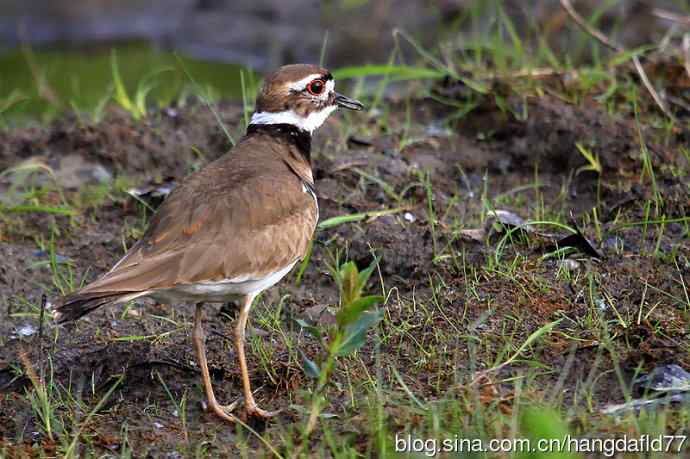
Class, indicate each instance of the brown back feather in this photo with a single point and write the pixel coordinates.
(243, 214)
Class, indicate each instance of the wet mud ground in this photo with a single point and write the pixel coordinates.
(460, 296)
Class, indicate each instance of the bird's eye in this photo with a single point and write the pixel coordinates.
(316, 87)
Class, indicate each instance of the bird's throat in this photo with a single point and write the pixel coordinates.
(309, 123)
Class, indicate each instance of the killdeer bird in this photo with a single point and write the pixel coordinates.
(235, 227)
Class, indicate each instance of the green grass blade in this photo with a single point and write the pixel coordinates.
(358, 217)
(394, 72)
(55, 210)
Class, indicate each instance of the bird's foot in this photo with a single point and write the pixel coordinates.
(224, 411)
(228, 409)
(255, 412)
(251, 410)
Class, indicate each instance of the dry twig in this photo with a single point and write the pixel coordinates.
(603, 39)
(671, 16)
(686, 53)
(41, 319)
(580, 21)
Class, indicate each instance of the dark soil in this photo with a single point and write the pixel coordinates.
(490, 154)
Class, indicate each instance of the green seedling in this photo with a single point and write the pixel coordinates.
(206, 99)
(72, 449)
(593, 163)
(121, 95)
(544, 423)
(136, 106)
(356, 315)
(41, 397)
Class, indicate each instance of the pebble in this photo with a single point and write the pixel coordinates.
(601, 304)
(614, 243)
(570, 264)
(26, 330)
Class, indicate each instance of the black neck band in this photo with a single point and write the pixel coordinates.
(292, 134)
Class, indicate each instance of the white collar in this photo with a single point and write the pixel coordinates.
(309, 123)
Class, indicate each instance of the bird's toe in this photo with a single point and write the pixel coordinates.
(256, 412)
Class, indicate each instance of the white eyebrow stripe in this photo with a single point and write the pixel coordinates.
(330, 86)
(301, 84)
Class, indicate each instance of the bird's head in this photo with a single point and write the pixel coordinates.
(301, 95)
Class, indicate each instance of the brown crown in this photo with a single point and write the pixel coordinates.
(276, 96)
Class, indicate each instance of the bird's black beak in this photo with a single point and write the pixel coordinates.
(346, 102)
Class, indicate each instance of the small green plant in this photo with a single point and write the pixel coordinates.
(42, 398)
(14, 98)
(205, 97)
(593, 163)
(135, 106)
(543, 423)
(63, 273)
(180, 407)
(356, 315)
(121, 96)
(73, 448)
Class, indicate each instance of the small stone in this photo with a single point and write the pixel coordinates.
(438, 130)
(614, 243)
(476, 234)
(101, 174)
(26, 330)
(570, 264)
(601, 304)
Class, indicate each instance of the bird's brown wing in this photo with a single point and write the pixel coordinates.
(221, 223)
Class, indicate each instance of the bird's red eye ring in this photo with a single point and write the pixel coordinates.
(316, 87)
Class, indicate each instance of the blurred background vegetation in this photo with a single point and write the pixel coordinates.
(64, 55)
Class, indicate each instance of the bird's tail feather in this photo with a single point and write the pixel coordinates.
(77, 304)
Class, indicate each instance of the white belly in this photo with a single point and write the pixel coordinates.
(220, 291)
